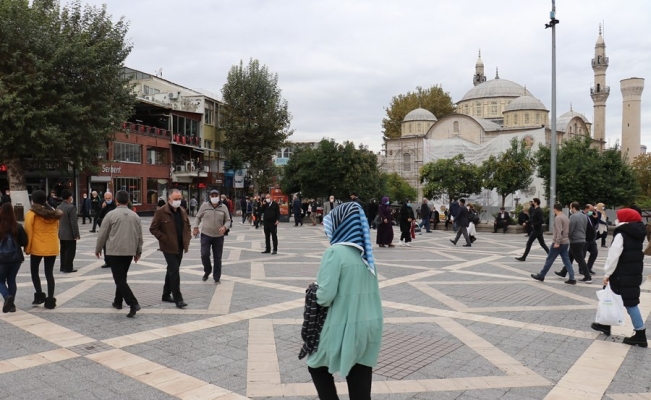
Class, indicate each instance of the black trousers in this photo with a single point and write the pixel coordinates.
(85, 215)
(120, 267)
(502, 224)
(68, 251)
(298, 219)
(270, 231)
(535, 234)
(217, 246)
(577, 252)
(462, 230)
(359, 383)
(591, 247)
(172, 277)
(48, 263)
(603, 238)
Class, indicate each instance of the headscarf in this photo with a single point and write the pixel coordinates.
(628, 215)
(347, 225)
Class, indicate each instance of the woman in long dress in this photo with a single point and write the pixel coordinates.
(385, 228)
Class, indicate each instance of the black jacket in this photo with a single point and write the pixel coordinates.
(461, 219)
(296, 206)
(373, 208)
(424, 211)
(536, 220)
(271, 213)
(627, 278)
(105, 210)
(502, 219)
(406, 212)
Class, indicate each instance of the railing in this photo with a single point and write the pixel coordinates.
(130, 127)
(605, 90)
(187, 140)
(602, 61)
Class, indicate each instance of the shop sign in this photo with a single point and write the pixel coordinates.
(202, 186)
(108, 169)
(3, 168)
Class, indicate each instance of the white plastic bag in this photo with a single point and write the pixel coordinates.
(611, 308)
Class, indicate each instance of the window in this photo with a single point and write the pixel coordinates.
(406, 162)
(515, 119)
(156, 188)
(493, 108)
(526, 118)
(157, 156)
(420, 128)
(455, 127)
(506, 120)
(537, 118)
(127, 152)
(208, 116)
(146, 89)
(185, 126)
(478, 109)
(131, 185)
(410, 124)
(207, 144)
(466, 110)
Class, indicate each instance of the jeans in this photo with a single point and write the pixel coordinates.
(8, 274)
(120, 268)
(554, 252)
(48, 266)
(425, 223)
(462, 230)
(359, 382)
(270, 231)
(68, 252)
(172, 276)
(535, 234)
(636, 317)
(217, 245)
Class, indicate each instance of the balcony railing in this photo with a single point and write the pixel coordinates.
(186, 140)
(130, 127)
(604, 90)
(602, 61)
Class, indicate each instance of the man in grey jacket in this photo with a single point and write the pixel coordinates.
(560, 247)
(578, 225)
(121, 233)
(214, 218)
(68, 232)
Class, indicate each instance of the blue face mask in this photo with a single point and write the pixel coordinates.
(408, 204)
(590, 213)
(387, 203)
(109, 201)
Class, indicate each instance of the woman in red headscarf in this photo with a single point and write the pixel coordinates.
(623, 270)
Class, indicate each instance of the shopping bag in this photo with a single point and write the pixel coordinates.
(610, 310)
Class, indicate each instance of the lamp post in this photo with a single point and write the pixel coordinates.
(552, 181)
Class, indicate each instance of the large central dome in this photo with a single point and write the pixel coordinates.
(496, 88)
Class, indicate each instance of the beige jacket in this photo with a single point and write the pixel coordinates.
(121, 232)
(212, 219)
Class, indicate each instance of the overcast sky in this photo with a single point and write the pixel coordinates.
(340, 62)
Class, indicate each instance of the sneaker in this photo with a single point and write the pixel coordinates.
(586, 280)
(571, 281)
(538, 277)
(407, 244)
(559, 274)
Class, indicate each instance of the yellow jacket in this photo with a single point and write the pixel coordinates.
(42, 227)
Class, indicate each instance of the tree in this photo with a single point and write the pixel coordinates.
(642, 168)
(509, 171)
(256, 117)
(335, 169)
(585, 175)
(397, 188)
(433, 99)
(452, 176)
(62, 91)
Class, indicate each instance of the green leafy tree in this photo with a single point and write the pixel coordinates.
(62, 90)
(434, 99)
(452, 176)
(586, 175)
(642, 168)
(510, 171)
(397, 188)
(255, 117)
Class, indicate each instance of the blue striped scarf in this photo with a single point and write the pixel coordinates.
(346, 224)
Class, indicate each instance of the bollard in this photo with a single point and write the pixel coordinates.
(19, 212)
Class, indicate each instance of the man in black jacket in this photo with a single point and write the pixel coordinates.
(536, 220)
(425, 216)
(271, 212)
(501, 221)
(461, 219)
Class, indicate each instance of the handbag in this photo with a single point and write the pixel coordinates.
(610, 309)
(413, 230)
(377, 220)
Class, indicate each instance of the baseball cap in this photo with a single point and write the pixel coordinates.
(214, 191)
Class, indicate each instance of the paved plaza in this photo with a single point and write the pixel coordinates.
(460, 323)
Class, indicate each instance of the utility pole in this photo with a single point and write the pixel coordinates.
(552, 181)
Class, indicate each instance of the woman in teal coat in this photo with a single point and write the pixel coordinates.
(352, 334)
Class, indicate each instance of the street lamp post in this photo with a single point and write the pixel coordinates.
(552, 181)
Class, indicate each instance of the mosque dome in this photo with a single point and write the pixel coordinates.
(496, 88)
(419, 114)
(526, 103)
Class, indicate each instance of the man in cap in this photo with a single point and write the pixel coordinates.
(214, 218)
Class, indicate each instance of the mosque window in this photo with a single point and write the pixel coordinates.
(455, 127)
(506, 120)
(410, 128)
(478, 108)
(598, 87)
(537, 118)
(406, 162)
(570, 129)
(466, 109)
(526, 118)
(493, 108)
(515, 119)
(419, 128)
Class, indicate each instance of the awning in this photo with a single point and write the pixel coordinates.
(100, 179)
(187, 145)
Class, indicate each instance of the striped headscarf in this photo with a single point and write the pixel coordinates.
(346, 224)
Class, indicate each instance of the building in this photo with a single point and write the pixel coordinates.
(487, 117)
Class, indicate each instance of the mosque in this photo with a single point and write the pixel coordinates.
(493, 112)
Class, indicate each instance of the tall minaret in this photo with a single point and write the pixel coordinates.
(600, 91)
(479, 72)
(631, 118)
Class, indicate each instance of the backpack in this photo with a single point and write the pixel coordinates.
(474, 218)
(8, 250)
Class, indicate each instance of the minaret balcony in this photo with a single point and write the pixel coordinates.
(604, 90)
(600, 62)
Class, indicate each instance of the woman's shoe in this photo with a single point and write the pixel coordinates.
(382, 245)
(39, 298)
(50, 303)
(639, 339)
(605, 329)
(9, 303)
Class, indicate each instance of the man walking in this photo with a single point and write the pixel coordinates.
(213, 217)
(107, 206)
(257, 211)
(296, 210)
(85, 210)
(329, 205)
(6, 198)
(462, 223)
(193, 206)
(68, 232)
(121, 239)
(454, 209)
(501, 221)
(171, 227)
(536, 221)
(271, 212)
(560, 246)
(425, 216)
(373, 208)
(95, 207)
(589, 243)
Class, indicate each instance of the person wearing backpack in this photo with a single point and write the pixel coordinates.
(42, 227)
(12, 238)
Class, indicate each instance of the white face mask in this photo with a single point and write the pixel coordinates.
(176, 203)
(214, 200)
(268, 200)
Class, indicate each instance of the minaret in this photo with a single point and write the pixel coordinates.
(600, 91)
(479, 72)
(631, 118)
